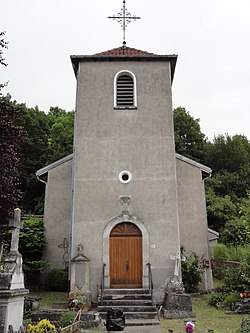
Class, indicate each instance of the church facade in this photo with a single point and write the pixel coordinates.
(124, 199)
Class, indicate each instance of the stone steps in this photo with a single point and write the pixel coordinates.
(138, 322)
(124, 302)
(136, 305)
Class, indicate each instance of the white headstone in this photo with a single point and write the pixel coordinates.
(178, 259)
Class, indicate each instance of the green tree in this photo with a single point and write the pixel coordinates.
(61, 136)
(229, 157)
(33, 153)
(189, 140)
(55, 112)
(244, 208)
(236, 232)
(219, 210)
(3, 45)
(31, 246)
(10, 193)
(234, 184)
(48, 137)
(230, 153)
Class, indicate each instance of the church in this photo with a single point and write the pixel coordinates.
(118, 210)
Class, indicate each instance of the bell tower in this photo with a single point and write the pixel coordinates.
(124, 148)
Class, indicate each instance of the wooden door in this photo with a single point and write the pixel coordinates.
(126, 256)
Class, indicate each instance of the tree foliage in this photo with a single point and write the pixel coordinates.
(189, 140)
(236, 232)
(228, 188)
(60, 141)
(10, 136)
(230, 153)
(219, 210)
(191, 272)
(31, 245)
(237, 280)
(229, 157)
(33, 154)
(48, 137)
(3, 45)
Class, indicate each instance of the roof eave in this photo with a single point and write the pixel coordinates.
(204, 169)
(41, 173)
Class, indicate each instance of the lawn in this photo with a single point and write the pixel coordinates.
(207, 317)
(51, 300)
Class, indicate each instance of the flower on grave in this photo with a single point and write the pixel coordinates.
(77, 300)
(43, 326)
(190, 327)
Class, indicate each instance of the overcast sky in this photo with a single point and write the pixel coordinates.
(210, 37)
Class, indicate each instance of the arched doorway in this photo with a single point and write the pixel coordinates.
(125, 256)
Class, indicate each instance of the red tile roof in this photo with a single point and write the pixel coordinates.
(124, 50)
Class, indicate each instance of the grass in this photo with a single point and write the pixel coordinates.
(217, 283)
(207, 317)
(50, 300)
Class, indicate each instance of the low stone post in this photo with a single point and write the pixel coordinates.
(12, 290)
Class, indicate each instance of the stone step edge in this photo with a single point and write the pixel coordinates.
(125, 303)
(128, 310)
(127, 296)
(138, 322)
(126, 291)
(150, 313)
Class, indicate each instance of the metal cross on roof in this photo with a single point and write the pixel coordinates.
(124, 18)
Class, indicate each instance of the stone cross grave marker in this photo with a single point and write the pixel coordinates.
(178, 259)
(16, 224)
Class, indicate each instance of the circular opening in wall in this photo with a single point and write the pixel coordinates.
(125, 177)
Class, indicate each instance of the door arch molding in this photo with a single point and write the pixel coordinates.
(145, 245)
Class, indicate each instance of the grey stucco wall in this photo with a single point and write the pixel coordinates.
(192, 213)
(57, 214)
(108, 141)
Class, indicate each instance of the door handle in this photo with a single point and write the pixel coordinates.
(126, 266)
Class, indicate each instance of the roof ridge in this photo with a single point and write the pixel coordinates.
(125, 50)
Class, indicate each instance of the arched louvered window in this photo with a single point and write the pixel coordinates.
(125, 90)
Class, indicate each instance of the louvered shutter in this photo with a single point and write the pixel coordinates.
(125, 90)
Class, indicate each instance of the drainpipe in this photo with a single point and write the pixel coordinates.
(40, 180)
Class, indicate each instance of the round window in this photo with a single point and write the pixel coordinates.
(125, 176)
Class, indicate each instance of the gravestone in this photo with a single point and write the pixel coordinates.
(12, 290)
(177, 304)
(80, 277)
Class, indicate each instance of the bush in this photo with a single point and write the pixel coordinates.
(237, 280)
(57, 280)
(245, 325)
(215, 299)
(220, 251)
(230, 299)
(236, 232)
(238, 253)
(222, 300)
(234, 253)
(192, 273)
(67, 318)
